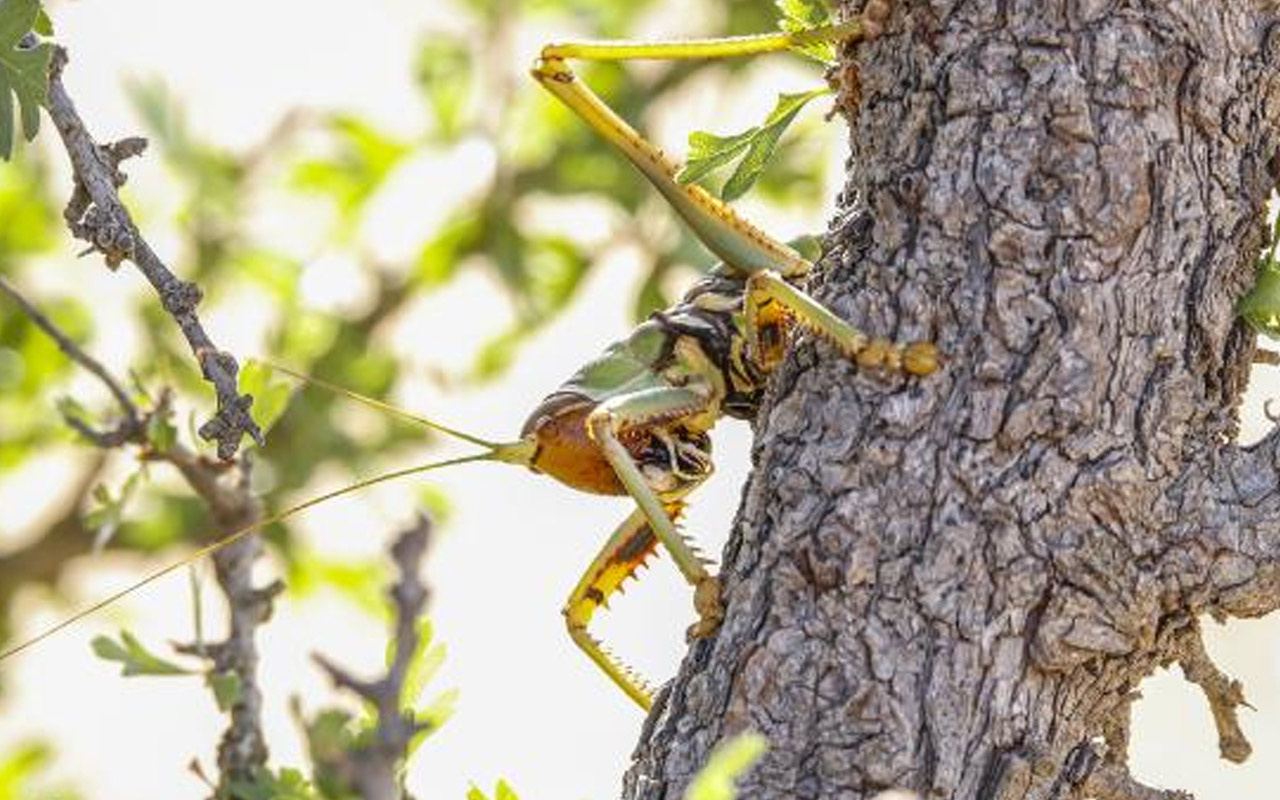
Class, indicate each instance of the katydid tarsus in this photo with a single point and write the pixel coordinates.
(635, 420)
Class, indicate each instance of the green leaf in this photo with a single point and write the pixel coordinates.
(270, 393)
(435, 502)
(289, 784)
(423, 664)
(104, 519)
(359, 581)
(71, 409)
(226, 687)
(765, 142)
(504, 792)
(161, 433)
(808, 246)
(708, 152)
(1261, 306)
(496, 355)
(439, 258)
(805, 15)
(135, 658)
(729, 760)
(24, 71)
(26, 759)
(433, 716)
(752, 149)
(43, 25)
(361, 158)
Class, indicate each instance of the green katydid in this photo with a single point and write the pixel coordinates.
(635, 420)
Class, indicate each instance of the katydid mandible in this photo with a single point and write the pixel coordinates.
(635, 420)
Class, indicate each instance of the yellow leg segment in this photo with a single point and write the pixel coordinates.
(767, 288)
(627, 549)
(646, 407)
(733, 239)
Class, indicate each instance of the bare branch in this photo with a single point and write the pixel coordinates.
(133, 422)
(373, 771)
(96, 215)
(1224, 695)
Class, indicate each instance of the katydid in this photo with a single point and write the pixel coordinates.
(635, 420)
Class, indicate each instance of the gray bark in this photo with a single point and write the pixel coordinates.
(954, 585)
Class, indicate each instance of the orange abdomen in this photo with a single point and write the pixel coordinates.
(566, 451)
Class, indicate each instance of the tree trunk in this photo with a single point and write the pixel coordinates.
(954, 585)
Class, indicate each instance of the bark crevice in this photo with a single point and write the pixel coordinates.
(954, 585)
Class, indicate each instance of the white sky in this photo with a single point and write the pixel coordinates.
(532, 708)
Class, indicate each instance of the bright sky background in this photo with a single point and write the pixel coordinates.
(532, 708)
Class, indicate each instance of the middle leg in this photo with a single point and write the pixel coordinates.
(655, 407)
(765, 288)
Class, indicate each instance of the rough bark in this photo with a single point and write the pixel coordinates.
(954, 585)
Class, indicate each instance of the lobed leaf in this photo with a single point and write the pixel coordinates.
(805, 15)
(752, 149)
(270, 393)
(24, 69)
(134, 657)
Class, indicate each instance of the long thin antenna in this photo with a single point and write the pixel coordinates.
(234, 537)
(381, 406)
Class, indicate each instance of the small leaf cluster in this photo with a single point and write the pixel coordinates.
(754, 148)
(331, 734)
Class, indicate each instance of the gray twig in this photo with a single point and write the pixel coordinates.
(133, 423)
(373, 770)
(96, 215)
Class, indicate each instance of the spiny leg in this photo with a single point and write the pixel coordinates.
(633, 410)
(736, 241)
(765, 288)
(622, 555)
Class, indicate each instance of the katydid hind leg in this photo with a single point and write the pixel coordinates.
(627, 549)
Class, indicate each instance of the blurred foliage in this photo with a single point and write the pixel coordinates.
(20, 770)
(728, 761)
(344, 164)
